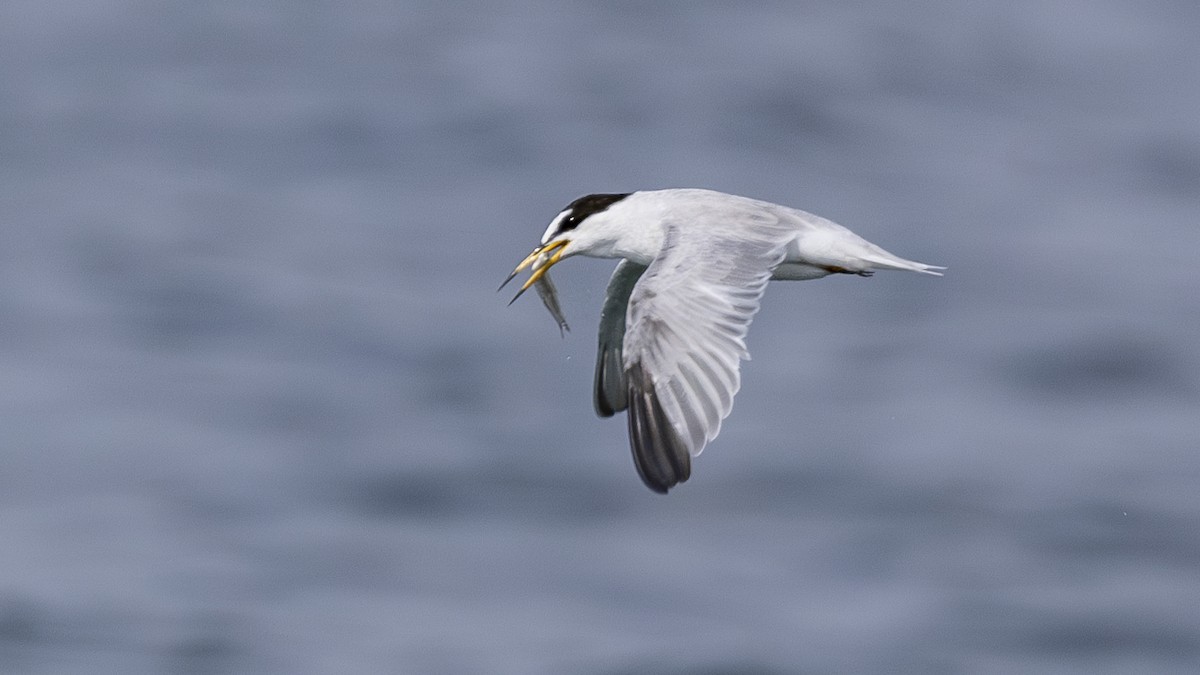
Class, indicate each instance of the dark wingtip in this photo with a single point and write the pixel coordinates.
(661, 458)
(609, 391)
(655, 487)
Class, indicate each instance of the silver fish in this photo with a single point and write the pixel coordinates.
(539, 263)
(549, 295)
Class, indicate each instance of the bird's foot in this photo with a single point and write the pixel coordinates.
(835, 269)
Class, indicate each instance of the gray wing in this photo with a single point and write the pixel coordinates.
(686, 326)
(610, 381)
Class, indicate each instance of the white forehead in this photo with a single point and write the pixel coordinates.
(553, 227)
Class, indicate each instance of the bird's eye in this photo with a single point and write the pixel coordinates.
(578, 211)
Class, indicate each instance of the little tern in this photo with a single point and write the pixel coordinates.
(694, 265)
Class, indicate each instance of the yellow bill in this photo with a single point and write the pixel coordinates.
(542, 259)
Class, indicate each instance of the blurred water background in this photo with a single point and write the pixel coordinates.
(263, 411)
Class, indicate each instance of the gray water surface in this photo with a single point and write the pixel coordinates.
(265, 413)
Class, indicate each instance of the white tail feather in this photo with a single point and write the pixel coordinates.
(881, 259)
(902, 264)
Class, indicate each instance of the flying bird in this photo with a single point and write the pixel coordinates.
(694, 265)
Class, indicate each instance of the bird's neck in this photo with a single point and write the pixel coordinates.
(640, 245)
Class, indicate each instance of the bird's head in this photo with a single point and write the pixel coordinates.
(577, 229)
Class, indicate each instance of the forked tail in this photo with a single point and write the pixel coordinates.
(887, 261)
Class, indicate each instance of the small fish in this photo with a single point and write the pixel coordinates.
(539, 263)
(549, 295)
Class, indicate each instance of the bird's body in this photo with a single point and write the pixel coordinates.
(677, 309)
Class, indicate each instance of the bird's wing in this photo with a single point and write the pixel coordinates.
(610, 365)
(686, 326)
